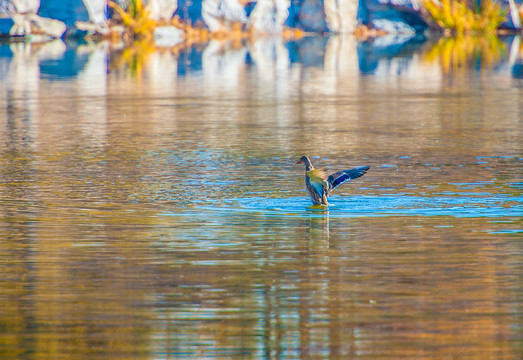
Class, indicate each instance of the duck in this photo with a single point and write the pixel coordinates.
(319, 185)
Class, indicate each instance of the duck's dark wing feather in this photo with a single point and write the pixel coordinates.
(341, 176)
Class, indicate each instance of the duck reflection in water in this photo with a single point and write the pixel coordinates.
(319, 185)
(318, 231)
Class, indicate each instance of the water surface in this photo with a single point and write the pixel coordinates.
(151, 209)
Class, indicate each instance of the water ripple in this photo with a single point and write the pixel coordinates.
(372, 206)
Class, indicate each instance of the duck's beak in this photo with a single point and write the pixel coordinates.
(299, 162)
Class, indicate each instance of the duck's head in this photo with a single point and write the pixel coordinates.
(305, 160)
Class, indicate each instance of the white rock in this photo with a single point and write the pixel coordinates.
(168, 36)
(341, 15)
(34, 25)
(269, 16)
(162, 9)
(96, 10)
(220, 14)
(11, 7)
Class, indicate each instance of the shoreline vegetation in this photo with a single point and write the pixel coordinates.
(447, 17)
(458, 37)
(132, 20)
(135, 23)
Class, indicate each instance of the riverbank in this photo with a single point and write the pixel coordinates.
(174, 23)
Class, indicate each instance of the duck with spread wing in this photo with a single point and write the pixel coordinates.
(319, 184)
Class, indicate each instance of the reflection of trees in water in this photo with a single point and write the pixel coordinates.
(132, 58)
(341, 57)
(465, 52)
(378, 283)
(268, 285)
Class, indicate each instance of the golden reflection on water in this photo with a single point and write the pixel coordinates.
(133, 57)
(464, 52)
(117, 287)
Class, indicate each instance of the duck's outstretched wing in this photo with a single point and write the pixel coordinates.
(340, 177)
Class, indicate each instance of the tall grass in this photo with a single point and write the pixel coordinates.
(136, 19)
(457, 17)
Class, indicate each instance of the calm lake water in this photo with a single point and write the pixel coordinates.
(151, 208)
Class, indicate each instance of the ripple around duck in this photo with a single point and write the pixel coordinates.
(372, 206)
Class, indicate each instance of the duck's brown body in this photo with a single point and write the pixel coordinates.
(318, 184)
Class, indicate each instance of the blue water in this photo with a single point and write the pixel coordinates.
(370, 206)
